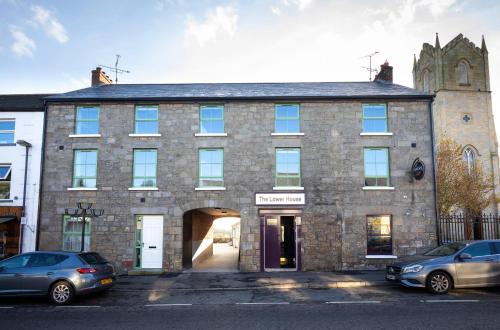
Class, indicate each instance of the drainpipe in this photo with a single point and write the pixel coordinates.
(40, 185)
(27, 145)
(434, 186)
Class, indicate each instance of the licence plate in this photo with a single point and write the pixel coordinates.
(390, 277)
(107, 281)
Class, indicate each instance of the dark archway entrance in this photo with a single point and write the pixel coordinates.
(211, 240)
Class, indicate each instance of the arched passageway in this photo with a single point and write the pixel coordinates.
(211, 240)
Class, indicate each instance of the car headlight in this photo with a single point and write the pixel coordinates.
(413, 269)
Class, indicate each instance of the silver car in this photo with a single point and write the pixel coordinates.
(60, 275)
(456, 265)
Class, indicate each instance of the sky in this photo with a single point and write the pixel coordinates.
(51, 46)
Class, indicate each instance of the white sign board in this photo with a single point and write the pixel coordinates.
(280, 199)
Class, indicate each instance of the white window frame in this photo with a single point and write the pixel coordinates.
(13, 132)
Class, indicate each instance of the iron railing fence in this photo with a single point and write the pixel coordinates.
(462, 227)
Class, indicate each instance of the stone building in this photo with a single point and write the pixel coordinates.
(319, 173)
(458, 74)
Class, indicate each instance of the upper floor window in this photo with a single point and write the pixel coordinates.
(144, 172)
(426, 81)
(470, 158)
(87, 120)
(463, 73)
(377, 167)
(5, 176)
(211, 119)
(375, 118)
(146, 119)
(85, 169)
(7, 129)
(288, 167)
(287, 118)
(211, 168)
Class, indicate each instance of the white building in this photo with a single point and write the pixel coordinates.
(21, 119)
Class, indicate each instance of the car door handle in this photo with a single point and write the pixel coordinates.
(489, 260)
(152, 246)
(50, 273)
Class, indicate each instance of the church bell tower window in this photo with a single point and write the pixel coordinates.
(470, 158)
(463, 73)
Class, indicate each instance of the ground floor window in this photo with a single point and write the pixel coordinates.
(72, 233)
(379, 235)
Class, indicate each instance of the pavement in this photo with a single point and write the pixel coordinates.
(250, 281)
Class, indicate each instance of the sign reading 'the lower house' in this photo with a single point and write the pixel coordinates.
(280, 199)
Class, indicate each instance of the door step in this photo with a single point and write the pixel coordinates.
(145, 272)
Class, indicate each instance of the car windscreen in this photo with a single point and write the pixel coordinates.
(445, 250)
(92, 258)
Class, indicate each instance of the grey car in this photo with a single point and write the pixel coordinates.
(60, 275)
(465, 264)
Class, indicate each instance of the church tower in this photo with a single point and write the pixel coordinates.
(458, 74)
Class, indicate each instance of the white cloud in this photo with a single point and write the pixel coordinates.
(46, 19)
(221, 20)
(23, 45)
(437, 7)
(301, 4)
(276, 10)
(297, 4)
(401, 15)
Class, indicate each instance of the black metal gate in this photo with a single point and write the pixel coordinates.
(460, 227)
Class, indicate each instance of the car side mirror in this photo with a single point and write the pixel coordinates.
(464, 256)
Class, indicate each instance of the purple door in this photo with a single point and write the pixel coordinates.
(272, 243)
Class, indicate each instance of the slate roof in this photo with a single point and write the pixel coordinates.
(22, 102)
(242, 91)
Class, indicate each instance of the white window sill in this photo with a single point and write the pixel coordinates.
(288, 188)
(209, 134)
(377, 134)
(209, 188)
(84, 135)
(82, 189)
(377, 188)
(143, 188)
(143, 135)
(380, 257)
(287, 134)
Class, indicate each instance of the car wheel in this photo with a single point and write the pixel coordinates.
(61, 293)
(439, 282)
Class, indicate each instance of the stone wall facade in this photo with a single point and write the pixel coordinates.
(333, 230)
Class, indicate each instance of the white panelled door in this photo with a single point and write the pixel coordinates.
(152, 241)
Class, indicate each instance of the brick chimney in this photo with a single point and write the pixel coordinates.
(99, 77)
(385, 74)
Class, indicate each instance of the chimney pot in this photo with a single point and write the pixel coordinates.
(385, 74)
(99, 77)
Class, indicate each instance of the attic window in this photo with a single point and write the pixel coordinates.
(463, 73)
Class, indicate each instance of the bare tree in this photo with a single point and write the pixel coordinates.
(459, 187)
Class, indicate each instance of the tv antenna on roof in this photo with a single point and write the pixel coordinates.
(370, 68)
(115, 69)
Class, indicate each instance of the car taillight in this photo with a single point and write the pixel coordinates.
(86, 270)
